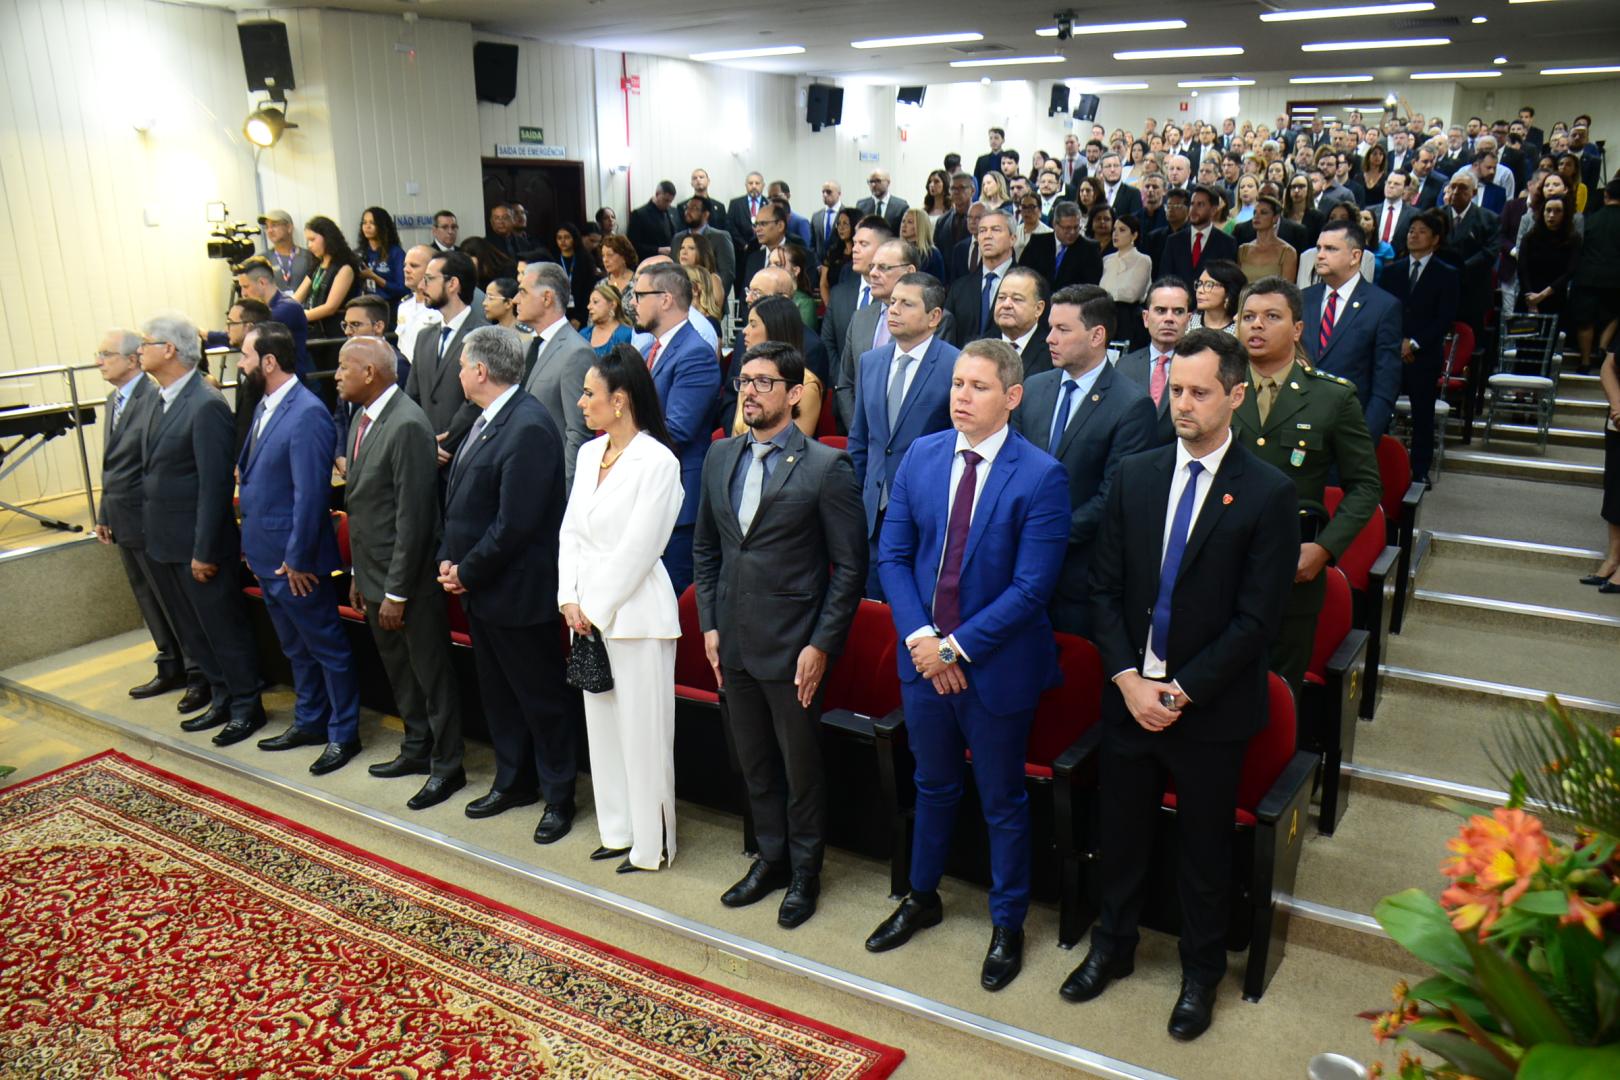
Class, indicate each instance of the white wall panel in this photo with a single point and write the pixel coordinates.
(556, 91)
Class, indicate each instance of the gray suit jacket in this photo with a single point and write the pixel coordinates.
(725, 255)
(893, 212)
(190, 478)
(392, 497)
(858, 341)
(435, 383)
(1137, 367)
(796, 577)
(556, 377)
(123, 462)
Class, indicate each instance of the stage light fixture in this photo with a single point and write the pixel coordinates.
(265, 126)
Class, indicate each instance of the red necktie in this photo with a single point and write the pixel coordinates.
(360, 433)
(652, 353)
(1161, 375)
(1389, 221)
(1328, 316)
(948, 589)
(1198, 247)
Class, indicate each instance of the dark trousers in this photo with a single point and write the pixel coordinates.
(941, 729)
(171, 658)
(520, 675)
(213, 631)
(311, 634)
(1133, 767)
(1420, 381)
(678, 558)
(1290, 654)
(417, 661)
(779, 748)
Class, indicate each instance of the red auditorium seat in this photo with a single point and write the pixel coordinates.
(694, 678)
(1273, 801)
(1328, 713)
(827, 422)
(1402, 502)
(837, 442)
(1456, 380)
(340, 525)
(1369, 565)
(460, 632)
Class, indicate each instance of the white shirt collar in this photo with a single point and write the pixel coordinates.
(374, 410)
(917, 353)
(1000, 268)
(669, 335)
(274, 399)
(988, 447)
(1210, 461)
(172, 391)
(499, 403)
(551, 331)
(1019, 343)
(455, 324)
(1346, 289)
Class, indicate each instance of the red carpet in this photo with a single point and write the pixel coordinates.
(153, 927)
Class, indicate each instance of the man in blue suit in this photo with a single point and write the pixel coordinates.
(1352, 328)
(798, 226)
(285, 480)
(686, 371)
(1427, 290)
(903, 392)
(974, 540)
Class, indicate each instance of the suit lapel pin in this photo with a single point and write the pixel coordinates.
(1355, 303)
(1226, 500)
(790, 460)
(1096, 397)
(1293, 386)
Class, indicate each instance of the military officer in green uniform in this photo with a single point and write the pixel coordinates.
(1308, 424)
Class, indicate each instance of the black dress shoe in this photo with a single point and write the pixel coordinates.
(1608, 587)
(292, 739)
(800, 902)
(1095, 972)
(1004, 960)
(497, 802)
(1589, 579)
(158, 684)
(1194, 1010)
(554, 823)
(213, 718)
(604, 853)
(241, 727)
(334, 757)
(400, 766)
(761, 880)
(916, 912)
(436, 790)
(628, 867)
(195, 697)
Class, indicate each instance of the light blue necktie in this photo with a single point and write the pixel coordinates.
(866, 297)
(1172, 561)
(1065, 400)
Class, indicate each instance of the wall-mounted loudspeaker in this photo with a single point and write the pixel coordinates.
(823, 106)
(495, 71)
(1087, 109)
(910, 95)
(1060, 100)
(265, 55)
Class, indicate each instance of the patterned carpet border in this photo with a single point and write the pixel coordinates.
(398, 973)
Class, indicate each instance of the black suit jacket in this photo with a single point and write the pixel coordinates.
(502, 513)
(1177, 258)
(650, 228)
(1228, 598)
(950, 230)
(965, 304)
(1431, 192)
(985, 163)
(123, 457)
(1082, 263)
(796, 577)
(190, 478)
(740, 224)
(1397, 238)
(435, 382)
(1127, 200)
(1427, 314)
(1116, 419)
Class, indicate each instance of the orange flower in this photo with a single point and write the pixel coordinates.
(1582, 912)
(1472, 906)
(1499, 852)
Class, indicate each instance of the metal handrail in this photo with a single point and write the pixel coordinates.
(67, 371)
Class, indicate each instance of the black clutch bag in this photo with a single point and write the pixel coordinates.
(588, 667)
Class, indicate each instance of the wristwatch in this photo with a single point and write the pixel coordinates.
(947, 654)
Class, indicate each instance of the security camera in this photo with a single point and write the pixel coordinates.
(1065, 24)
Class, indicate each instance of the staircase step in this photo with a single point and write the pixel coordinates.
(1505, 510)
(1380, 846)
(1583, 430)
(1585, 621)
(1482, 660)
(1573, 465)
(1452, 548)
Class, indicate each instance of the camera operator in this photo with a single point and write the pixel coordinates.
(291, 263)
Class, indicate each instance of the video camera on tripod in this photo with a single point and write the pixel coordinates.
(230, 239)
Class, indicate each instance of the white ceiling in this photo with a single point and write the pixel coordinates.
(1530, 35)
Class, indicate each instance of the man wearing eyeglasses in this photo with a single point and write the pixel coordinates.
(770, 233)
(780, 523)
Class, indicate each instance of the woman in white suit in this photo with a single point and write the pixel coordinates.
(627, 494)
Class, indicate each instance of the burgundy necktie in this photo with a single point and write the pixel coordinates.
(360, 433)
(948, 590)
(1328, 316)
(1198, 247)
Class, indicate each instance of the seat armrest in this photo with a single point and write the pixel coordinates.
(849, 722)
(1348, 655)
(1080, 757)
(1384, 565)
(1295, 777)
(887, 727)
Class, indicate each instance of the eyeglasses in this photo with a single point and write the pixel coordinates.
(105, 354)
(237, 322)
(639, 293)
(147, 343)
(355, 327)
(763, 383)
(889, 268)
(1205, 286)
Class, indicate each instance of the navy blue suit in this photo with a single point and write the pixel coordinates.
(687, 376)
(875, 450)
(285, 489)
(1015, 548)
(1426, 318)
(1365, 347)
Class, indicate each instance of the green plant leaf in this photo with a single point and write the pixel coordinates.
(1466, 1054)
(1419, 924)
(1444, 992)
(1552, 1061)
(1511, 994)
(1544, 902)
(1460, 808)
(7, 770)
